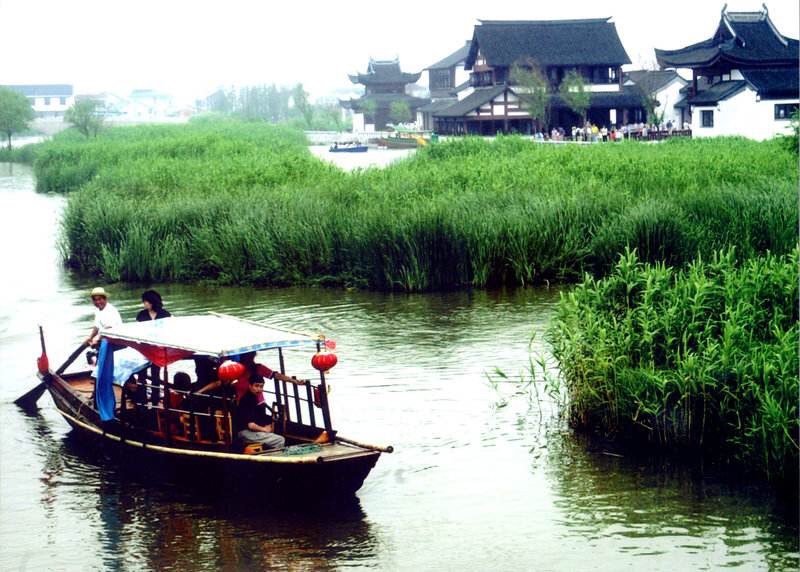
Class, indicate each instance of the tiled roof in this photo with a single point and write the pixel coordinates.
(717, 92)
(473, 101)
(453, 59)
(44, 90)
(438, 105)
(774, 83)
(548, 42)
(650, 81)
(384, 72)
(741, 37)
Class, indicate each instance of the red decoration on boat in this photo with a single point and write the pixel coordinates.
(323, 361)
(43, 364)
(230, 370)
(330, 344)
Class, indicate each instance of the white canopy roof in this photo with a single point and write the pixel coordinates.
(212, 335)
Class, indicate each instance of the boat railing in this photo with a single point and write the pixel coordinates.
(177, 421)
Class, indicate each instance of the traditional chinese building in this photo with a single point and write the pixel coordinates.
(445, 79)
(384, 84)
(744, 78)
(491, 104)
(664, 88)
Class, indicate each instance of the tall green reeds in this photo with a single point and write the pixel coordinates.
(247, 203)
(703, 357)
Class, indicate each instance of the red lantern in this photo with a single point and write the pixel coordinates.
(330, 344)
(324, 361)
(230, 370)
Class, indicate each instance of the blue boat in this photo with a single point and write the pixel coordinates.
(348, 148)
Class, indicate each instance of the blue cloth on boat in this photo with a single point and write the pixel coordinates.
(104, 389)
(115, 365)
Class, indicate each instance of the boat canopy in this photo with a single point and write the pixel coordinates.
(170, 339)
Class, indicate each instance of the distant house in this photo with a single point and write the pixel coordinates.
(664, 88)
(491, 104)
(445, 79)
(148, 104)
(384, 83)
(47, 100)
(109, 105)
(744, 78)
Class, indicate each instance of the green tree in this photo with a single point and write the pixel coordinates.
(369, 108)
(15, 113)
(301, 103)
(84, 117)
(574, 93)
(534, 92)
(400, 112)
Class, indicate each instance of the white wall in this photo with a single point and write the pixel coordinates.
(358, 122)
(742, 115)
(603, 87)
(668, 97)
(462, 75)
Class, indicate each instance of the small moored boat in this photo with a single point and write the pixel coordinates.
(348, 147)
(191, 438)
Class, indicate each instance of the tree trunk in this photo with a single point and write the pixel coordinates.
(9, 140)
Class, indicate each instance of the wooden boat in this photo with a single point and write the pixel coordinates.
(191, 442)
(348, 148)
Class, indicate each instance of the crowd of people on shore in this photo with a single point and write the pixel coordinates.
(591, 133)
(253, 424)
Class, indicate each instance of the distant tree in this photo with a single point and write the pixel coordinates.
(84, 117)
(651, 106)
(574, 93)
(535, 90)
(221, 101)
(16, 113)
(254, 103)
(301, 103)
(278, 102)
(334, 113)
(400, 112)
(369, 108)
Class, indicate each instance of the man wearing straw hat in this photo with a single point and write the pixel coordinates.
(106, 316)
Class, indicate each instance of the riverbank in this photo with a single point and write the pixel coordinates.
(701, 360)
(248, 204)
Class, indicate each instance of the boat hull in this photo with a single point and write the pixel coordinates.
(359, 149)
(330, 470)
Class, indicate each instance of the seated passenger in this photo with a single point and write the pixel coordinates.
(183, 383)
(253, 424)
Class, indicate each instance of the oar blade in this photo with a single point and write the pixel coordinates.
(29, 400)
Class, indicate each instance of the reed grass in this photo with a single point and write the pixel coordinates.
(702, 357)
(248, 204)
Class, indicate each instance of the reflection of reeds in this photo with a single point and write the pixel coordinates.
(246, 203)
(701, 357)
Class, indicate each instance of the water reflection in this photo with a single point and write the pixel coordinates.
(654, 509)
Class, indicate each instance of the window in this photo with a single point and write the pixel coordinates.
(63, 100)
(442, 80)
(785, 110)
(707, 118)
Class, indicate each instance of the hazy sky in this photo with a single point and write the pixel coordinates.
(188, 48)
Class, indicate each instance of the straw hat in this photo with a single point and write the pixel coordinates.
(99, 292)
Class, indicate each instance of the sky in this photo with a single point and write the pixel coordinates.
(190, 48)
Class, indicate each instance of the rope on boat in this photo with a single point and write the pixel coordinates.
(302, 449)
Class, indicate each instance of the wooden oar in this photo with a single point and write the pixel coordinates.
(28, 401)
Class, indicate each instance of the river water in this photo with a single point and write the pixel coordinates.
(484, 476)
